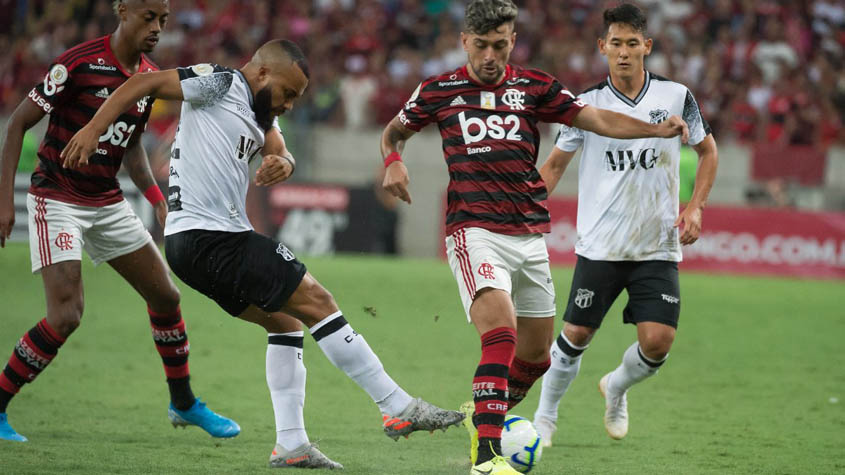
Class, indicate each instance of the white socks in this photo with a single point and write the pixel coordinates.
(286, 380)
(635, 367)
(566, 361)
(349, 352)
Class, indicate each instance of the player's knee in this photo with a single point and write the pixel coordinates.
(578, 335)
(536, 353)
(317, 295)
(656, 344)
(66, 318)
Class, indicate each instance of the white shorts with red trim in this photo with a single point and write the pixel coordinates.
(519, 265)
(59, 231)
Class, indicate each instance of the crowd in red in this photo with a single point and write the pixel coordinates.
(770, 71)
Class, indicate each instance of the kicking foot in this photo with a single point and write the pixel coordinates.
(304, 456)
(616, 411)
(495, 466)
(468, 408)
(6, 431)
(199, 415)
(546, 428)
(419, 415)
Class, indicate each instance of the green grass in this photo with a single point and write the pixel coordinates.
(747, 389)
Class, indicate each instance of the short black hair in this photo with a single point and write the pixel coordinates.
(628, 14)
(296, 55)
(482, 16)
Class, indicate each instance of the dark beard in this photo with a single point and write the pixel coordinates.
(262, 105)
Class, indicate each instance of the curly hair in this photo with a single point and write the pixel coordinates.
(484, 15)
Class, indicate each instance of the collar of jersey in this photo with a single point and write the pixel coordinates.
(508, 72)
(626, 99)
(248, 89)
(115, 60)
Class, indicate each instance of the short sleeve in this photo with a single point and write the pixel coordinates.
(557, 104)
(417, 112)
(569, 138)
(55, 89)
(205, 84)
(698, 127)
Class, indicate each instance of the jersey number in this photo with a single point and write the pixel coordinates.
(118, 134)
(476, 130)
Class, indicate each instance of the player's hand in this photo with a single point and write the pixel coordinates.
(274, 169)
(672, 127)
(7, 219)
(396, 181)
(81, 146)
(690, 220)
(160, 209)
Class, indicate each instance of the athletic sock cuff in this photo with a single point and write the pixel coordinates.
(650, 362)
(328, 325)
(294, 339)
(568, 347)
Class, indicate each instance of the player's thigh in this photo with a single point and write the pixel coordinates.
(117, 231)
(595, 286)
(146, 271)
(55, 231)
(654, 294)
(533, 288)
(477, 263)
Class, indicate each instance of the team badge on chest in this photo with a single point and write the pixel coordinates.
(488, 100)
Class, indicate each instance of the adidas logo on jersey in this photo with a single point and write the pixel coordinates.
(458, 101)
(103, 93)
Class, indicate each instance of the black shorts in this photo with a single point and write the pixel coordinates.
(654, 293)
(235, 269)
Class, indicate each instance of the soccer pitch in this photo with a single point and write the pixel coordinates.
(754, 384)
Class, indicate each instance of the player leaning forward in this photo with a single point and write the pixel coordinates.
(487, 112)
(74, 209)
(627, 222)
(227, 119)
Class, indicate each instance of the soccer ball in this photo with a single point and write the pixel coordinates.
(521, 444)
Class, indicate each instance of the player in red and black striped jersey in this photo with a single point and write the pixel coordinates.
(72, 209)
(487, 112)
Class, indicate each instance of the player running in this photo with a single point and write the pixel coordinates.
(74, 209)
(628, 222)
(227, 120)
(487, 112)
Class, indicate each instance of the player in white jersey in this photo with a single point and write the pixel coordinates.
(628, 222)
(227, 121)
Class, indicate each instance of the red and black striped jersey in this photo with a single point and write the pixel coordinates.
(76, 85)
(490, 141)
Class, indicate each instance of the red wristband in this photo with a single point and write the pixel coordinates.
(153, 195)
(393, 157)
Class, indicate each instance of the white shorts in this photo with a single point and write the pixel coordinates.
(58, 231)
(519, 265)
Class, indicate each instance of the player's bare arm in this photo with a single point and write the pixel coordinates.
(705, 175)
(137, 164)
(396, 175)
(621, 126)
(25, 116)
(158, 84)
(278, 163)
(554, 167)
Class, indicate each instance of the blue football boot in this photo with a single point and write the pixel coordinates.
(199, 415)
(6, 431)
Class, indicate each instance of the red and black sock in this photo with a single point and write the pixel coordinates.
(490, 390)
(33, 352)
(171, 341)
(521, 377)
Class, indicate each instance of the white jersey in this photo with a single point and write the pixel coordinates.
(218, 136)
(628, 189)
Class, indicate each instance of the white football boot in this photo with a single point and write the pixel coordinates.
(546, 428)
(616, 411)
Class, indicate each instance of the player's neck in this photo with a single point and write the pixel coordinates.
(128, 56)
(631, 85)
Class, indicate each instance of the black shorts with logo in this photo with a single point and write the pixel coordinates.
(654, 293)
(235, 269)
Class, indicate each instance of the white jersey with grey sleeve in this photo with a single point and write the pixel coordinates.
(217, 138)
(628, 189)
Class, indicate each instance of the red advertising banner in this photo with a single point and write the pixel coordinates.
(738, 240)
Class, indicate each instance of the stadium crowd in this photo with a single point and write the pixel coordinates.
(770, 71)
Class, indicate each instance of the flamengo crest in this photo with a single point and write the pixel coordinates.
(514, 98)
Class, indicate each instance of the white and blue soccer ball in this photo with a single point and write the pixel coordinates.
(521, 444)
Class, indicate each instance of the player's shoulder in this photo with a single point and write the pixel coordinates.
(148, 64)
(446, 80)
(82, 51)
(204, 69)
(667, 84)
(591, 92)
(531, 74)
